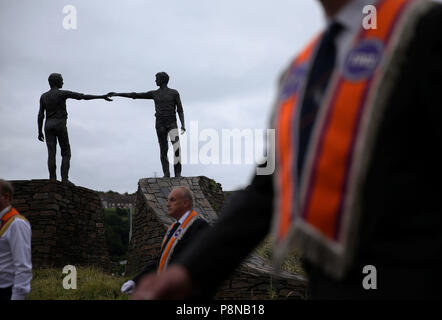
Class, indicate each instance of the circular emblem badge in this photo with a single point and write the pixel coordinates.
(293, 81)
(363, 60)
(177, 233)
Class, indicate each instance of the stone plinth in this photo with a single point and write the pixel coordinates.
(67, 223)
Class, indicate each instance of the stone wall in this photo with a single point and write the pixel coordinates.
(213, 192)
(147, 233)
(67, 223)
(252, 280)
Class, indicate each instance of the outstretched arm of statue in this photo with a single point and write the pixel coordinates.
(81, 96)
(133, 95)
(92, 97)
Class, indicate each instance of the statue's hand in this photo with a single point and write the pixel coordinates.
(183, 130)
(107, 98)
(111, 94)
(41, 137)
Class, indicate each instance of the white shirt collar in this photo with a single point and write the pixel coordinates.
(4, 211)
(184, 216)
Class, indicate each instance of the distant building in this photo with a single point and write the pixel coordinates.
(116, 200)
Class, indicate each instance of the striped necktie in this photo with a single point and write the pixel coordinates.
(171, 231)
(317, 84)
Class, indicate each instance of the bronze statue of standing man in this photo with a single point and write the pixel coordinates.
(167, 104)
(53, 103)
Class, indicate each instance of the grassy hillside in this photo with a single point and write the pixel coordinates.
(92, 284)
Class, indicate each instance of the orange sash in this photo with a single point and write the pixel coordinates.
(178, 234)
(8, 218)
(317, 210)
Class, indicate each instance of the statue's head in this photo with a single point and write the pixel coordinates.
(161, 78)
(55, 80)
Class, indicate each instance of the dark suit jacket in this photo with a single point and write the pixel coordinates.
(191, 234)
(401, 228)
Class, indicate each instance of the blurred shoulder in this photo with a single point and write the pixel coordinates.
(431, 20)
(201, 223)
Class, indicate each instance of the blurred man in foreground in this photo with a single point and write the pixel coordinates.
(357, 180)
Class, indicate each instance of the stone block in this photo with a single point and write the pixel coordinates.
(59, 225)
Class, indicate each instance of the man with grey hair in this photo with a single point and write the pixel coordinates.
(53, 103)
(180, 234)
(15, 249)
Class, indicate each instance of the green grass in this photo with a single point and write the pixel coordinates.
(92, 284)
(292, 262)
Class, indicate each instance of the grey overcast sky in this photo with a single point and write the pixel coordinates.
(224, 57)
